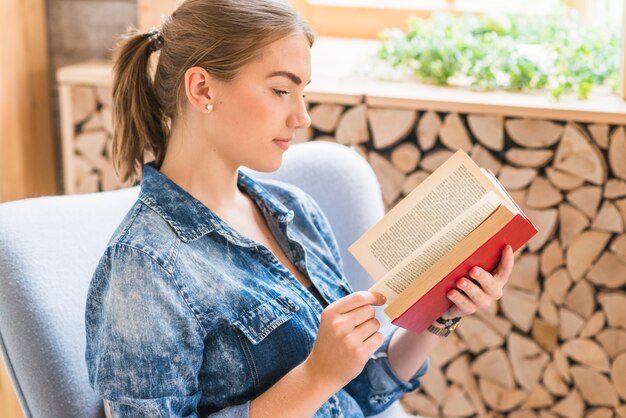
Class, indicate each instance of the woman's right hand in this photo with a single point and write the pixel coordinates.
(347, 337)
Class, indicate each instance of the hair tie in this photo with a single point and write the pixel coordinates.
(156, 39)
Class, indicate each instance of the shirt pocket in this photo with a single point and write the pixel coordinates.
(273, 340)
(259, 322)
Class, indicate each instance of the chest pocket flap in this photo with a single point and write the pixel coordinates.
(259, 322)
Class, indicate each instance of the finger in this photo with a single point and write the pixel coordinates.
(356, 300)
(360, 315)
(505, 267)
(476, 294)
(454, 312)
(486, 282)
(366, 329)
(465, 305)
(374, 342)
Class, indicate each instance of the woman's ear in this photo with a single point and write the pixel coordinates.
(198, 88)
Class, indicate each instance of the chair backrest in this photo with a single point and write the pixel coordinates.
(49, 247)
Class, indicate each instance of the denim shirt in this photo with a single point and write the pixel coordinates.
(186, 317)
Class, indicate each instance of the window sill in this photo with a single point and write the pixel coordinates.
(335, 79)
(336, 63)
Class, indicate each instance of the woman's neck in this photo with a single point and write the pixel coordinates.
(204, 175)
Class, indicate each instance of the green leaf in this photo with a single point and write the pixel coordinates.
(517, 52)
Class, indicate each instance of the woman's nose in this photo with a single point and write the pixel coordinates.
(301, 119)
(306, 120)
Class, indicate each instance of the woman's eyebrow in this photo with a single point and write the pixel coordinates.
(289, 75)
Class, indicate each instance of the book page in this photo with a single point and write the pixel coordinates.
(512, 204)
(438, 201)
(398, 279)
(468, 245)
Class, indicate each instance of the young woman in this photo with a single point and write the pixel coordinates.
(220, 295)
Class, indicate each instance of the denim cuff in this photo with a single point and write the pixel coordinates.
(382, 357)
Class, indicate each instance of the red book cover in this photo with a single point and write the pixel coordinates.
(435, 302)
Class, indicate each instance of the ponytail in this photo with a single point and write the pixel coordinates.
(140, 125)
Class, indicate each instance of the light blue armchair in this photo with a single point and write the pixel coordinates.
(49, 247)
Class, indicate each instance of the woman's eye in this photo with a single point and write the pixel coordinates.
(281, 92)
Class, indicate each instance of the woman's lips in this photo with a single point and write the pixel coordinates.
(283, 143)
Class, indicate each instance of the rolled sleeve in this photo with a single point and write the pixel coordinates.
(378, 386)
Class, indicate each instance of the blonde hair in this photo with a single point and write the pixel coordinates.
(220, 36)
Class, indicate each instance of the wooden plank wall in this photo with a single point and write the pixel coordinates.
(26, 147)
(149, 11)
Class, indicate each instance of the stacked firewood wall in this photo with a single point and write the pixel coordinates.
(555, 344)
(90, 144)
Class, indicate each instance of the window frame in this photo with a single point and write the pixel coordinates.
(337, 20)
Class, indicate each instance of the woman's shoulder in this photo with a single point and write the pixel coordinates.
(145, 231)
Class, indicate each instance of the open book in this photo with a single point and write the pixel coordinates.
(458, 217)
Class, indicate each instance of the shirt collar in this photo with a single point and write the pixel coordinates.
(189, 217)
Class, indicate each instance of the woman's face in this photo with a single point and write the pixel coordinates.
(263, 103)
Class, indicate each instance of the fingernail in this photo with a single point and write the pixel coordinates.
(463, 283)
(475, 272)
(384, 298)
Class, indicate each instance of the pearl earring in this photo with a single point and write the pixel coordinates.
(208, 107)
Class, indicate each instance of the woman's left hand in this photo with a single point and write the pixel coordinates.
(479, 292)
